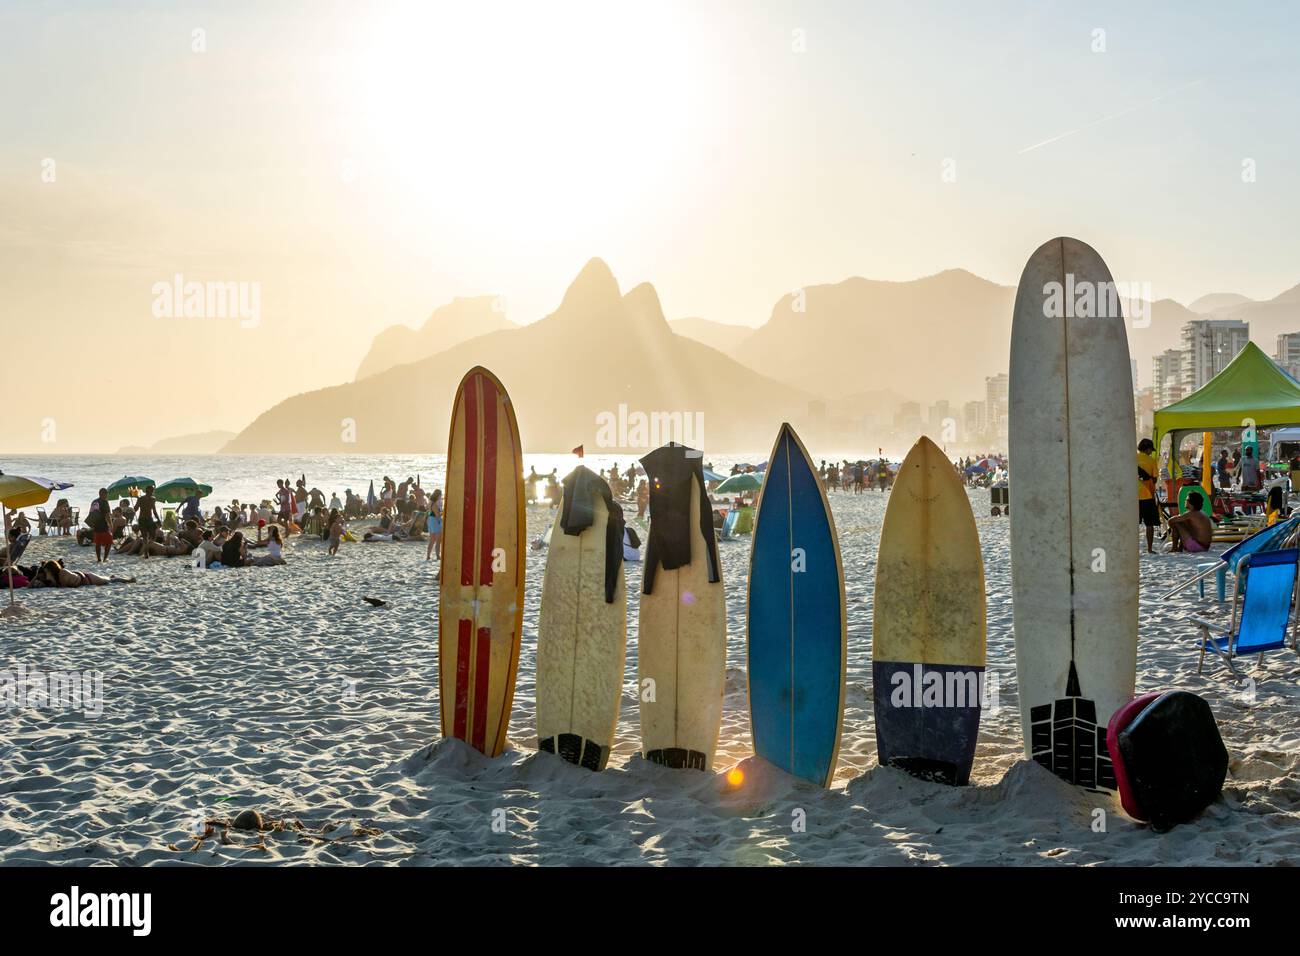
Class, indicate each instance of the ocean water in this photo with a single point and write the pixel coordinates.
(251, 478)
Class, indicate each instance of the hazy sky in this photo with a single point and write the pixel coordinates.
(364, 163)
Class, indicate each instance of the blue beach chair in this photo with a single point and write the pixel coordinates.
(1269, 539)
(1261, 617)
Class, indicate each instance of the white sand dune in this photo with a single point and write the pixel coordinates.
(280, 690)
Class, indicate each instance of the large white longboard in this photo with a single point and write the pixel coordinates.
(1074, 558)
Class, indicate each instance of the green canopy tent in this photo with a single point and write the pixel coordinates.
(1251, 391)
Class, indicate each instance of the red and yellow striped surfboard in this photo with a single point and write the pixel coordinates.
(481, 599)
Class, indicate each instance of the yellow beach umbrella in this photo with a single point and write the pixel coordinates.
(18, 491)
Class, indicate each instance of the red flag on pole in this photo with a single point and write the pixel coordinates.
(578, 451)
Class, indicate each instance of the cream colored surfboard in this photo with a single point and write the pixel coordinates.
(928, 629)
(481, 593)
(1074, 557)
(581, 645)
(682, 652)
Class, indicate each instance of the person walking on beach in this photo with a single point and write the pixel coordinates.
(435, 525)
(336, 532)
(100, 521)
(147, 517)
(1148, 509)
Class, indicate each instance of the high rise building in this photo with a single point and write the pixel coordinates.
(995, 407)
(1167, 378)
(1208, 346)
(1288, 353)
(973, 421)
(1143, 411)
(940, 417)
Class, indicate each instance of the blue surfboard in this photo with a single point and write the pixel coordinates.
(796, 623)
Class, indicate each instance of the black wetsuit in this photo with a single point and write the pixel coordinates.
(671, 470)
(581, 487)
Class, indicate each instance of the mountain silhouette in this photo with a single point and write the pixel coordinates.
(451, 324)
(723, 336)
(600, 353)
(936, 337)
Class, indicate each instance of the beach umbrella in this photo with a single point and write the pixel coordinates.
(713, 476)
(740, 483)
(178, 489)
(371, 501)
(18, 491)
(762, 467)
(124, 486)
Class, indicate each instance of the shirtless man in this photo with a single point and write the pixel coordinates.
(146, 513)
(1193, 531)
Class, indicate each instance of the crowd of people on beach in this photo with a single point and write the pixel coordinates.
(253, 535)
(1235, 480)
(856, 476)
(238, 535)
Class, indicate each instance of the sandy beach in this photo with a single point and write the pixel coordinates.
(280, 690)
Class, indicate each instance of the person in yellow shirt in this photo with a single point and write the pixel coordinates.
(1148, 508)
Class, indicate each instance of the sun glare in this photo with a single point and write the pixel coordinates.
(530, 119)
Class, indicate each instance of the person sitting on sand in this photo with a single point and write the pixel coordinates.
(120, 519)
(53, 574)
(1192, 531)
(191, 534)
(274, 550)
(16, 544)
(211, 550)
(234, 553)
(385, 526)
(19, 522)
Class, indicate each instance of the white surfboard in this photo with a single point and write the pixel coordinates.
(581, 644)
(1074, 557)
(682, 657)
